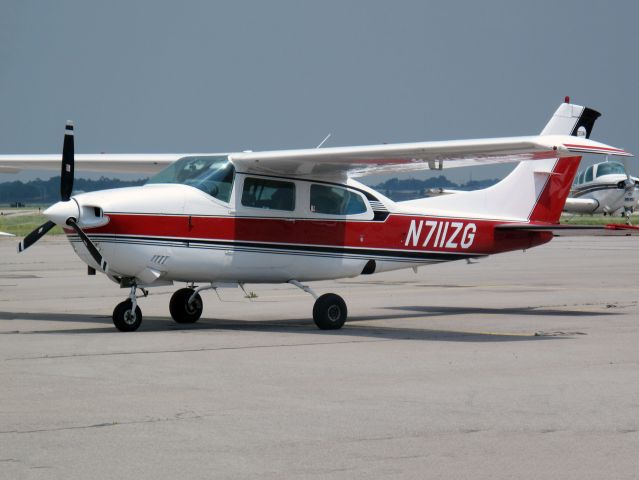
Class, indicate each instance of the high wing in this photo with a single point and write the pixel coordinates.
(342, 162)
(100, 162)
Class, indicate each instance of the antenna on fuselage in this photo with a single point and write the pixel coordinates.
(324, 141)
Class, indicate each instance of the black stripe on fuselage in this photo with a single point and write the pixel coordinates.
(336, 251)
(579, 191)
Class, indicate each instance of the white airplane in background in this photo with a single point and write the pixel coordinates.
(293, 216)
(606, 188)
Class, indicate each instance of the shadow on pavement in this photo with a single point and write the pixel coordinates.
(306, 326)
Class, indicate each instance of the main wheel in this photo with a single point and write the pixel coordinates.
(181, 310)
(125, 319)
(329, 312)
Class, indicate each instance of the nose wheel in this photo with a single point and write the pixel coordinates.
(126, 317)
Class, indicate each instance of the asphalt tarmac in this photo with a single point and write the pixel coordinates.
(525, 365)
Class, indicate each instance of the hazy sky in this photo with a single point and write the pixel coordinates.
(189, 76)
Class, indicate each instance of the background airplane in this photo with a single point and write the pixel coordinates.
(606, 188)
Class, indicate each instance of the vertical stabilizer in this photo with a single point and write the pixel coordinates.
(535, 191)
(572, 120)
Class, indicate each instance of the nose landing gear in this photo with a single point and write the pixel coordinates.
(127, 316)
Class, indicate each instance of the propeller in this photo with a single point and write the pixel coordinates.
(66, 211)
(97, 256)
(34, 236)
(628, 186)
(68, 160)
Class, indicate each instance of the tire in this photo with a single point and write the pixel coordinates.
(329, 312)
(180, 309)
(124, 319)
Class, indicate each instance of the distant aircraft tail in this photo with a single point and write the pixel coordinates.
(572, 120)
(535, 191)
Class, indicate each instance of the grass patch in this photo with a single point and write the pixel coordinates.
(20, 224)
(594, 220)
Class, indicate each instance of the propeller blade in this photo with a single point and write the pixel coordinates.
(97, 256)
(34, 236)
(66, 173)
(627, 170)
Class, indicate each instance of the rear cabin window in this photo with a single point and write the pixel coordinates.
(335, 201)
(268, 194)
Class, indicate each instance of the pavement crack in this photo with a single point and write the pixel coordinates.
(191, 350)
(177, 417)
(542, 333)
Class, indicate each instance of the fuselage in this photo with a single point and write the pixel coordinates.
(161, 233)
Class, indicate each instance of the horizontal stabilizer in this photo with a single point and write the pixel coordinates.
(559, 230)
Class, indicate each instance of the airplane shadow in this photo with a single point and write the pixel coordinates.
(305, 325)
(431, 311)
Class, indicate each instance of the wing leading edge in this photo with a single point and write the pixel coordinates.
(100, 162)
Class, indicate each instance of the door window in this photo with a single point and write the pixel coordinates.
(268, 194)
(331, 200)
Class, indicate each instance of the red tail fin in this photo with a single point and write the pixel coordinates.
(552, 199)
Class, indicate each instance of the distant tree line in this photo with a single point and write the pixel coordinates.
(411, 188)
(48, 191)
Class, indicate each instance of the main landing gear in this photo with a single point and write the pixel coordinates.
(329, 310)
(186, 305)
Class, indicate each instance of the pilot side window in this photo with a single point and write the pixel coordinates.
(610, 168)
(213, 175)
(269, 194)
(588, 177)
(335, 201)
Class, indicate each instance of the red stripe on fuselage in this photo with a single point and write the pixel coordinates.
(448, 235)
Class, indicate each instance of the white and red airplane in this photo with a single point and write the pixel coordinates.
(298, 215)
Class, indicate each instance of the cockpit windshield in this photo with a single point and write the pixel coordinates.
(213, 175)
(610, 168)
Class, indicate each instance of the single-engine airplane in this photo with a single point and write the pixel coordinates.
(299, 215)
(605, 187)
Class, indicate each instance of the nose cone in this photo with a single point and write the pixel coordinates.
(59, 212)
